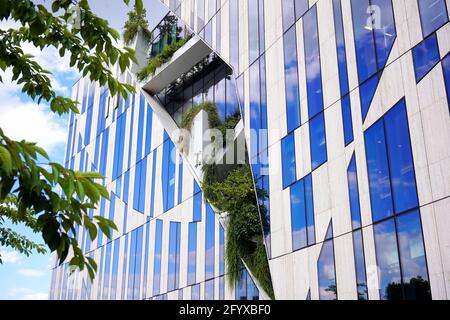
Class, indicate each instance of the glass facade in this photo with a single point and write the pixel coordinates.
(345, 114)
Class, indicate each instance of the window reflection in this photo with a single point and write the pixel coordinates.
(326, 272)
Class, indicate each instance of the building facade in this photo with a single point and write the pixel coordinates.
(344, 108)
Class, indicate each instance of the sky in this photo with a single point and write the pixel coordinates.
(24, 277)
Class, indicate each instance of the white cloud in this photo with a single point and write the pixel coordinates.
(26, 294)
(10, 256)
(32, 122)
(32, 273)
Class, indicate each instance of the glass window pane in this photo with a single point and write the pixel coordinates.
(318, 141)
(387, 260)
(433, 14)
(310, 210)
(401, 165)
(347, 120)
(291, 80)
(192, 253)
(446, 67)
(354, 194)
(385, 33)
(364, 41)
(426, 56)
(298, 216)
(340, 44)
(288, 13)
(301, 6)
(377, 166)
(326, 272)
(412, 257)
(312, 62)
(360, 265)
(209, 242)
(288, 160)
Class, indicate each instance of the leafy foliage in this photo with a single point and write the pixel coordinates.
(236, 196)
(155, 62)
(136, 23)
(28, 179)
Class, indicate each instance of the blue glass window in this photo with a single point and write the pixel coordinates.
(168, 173)
(146, 250)
(157, 257)
(152, 193)
(326, 272)
(288, 13)
(379, 179)
(426, 56)
(221, 250)
(139, 186)
(148, 131)
(404, 276)
(197, 214)
(340, 44)
(364, 40)
(298, 216)
(245, 287)
(360, 265)
(88, 126)
(195, 292)
(310, 210)
(446, 67)
(140, 133)
(385, 32)
(312, 62)
(353, 190)
(291, 80)
(180, 180)
(301, 6)
(318, 143)
(401, 165)
(173, 276)
(347, 120)
(119, 146)
(292, 11)
(209, 242)
(302, 214)
(104, 152)
(367, 91)
(124, 269)
(390, 165)
(288, 160)
(256, 29)
(433, 15)
(234, 35)
(412, 257)
(209, 290)
(192, 253)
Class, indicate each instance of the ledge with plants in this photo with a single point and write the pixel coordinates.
(157, 61)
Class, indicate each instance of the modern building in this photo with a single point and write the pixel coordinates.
(344, 108)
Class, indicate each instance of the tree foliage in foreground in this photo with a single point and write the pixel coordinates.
(28, 180)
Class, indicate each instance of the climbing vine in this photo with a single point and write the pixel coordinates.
(236, 196)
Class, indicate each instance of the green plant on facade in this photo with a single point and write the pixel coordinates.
(234, 194)
(157, 61)
(137, 22)
(214, 120)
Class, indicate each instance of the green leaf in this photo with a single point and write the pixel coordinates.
(139, 7)
(5, 160)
